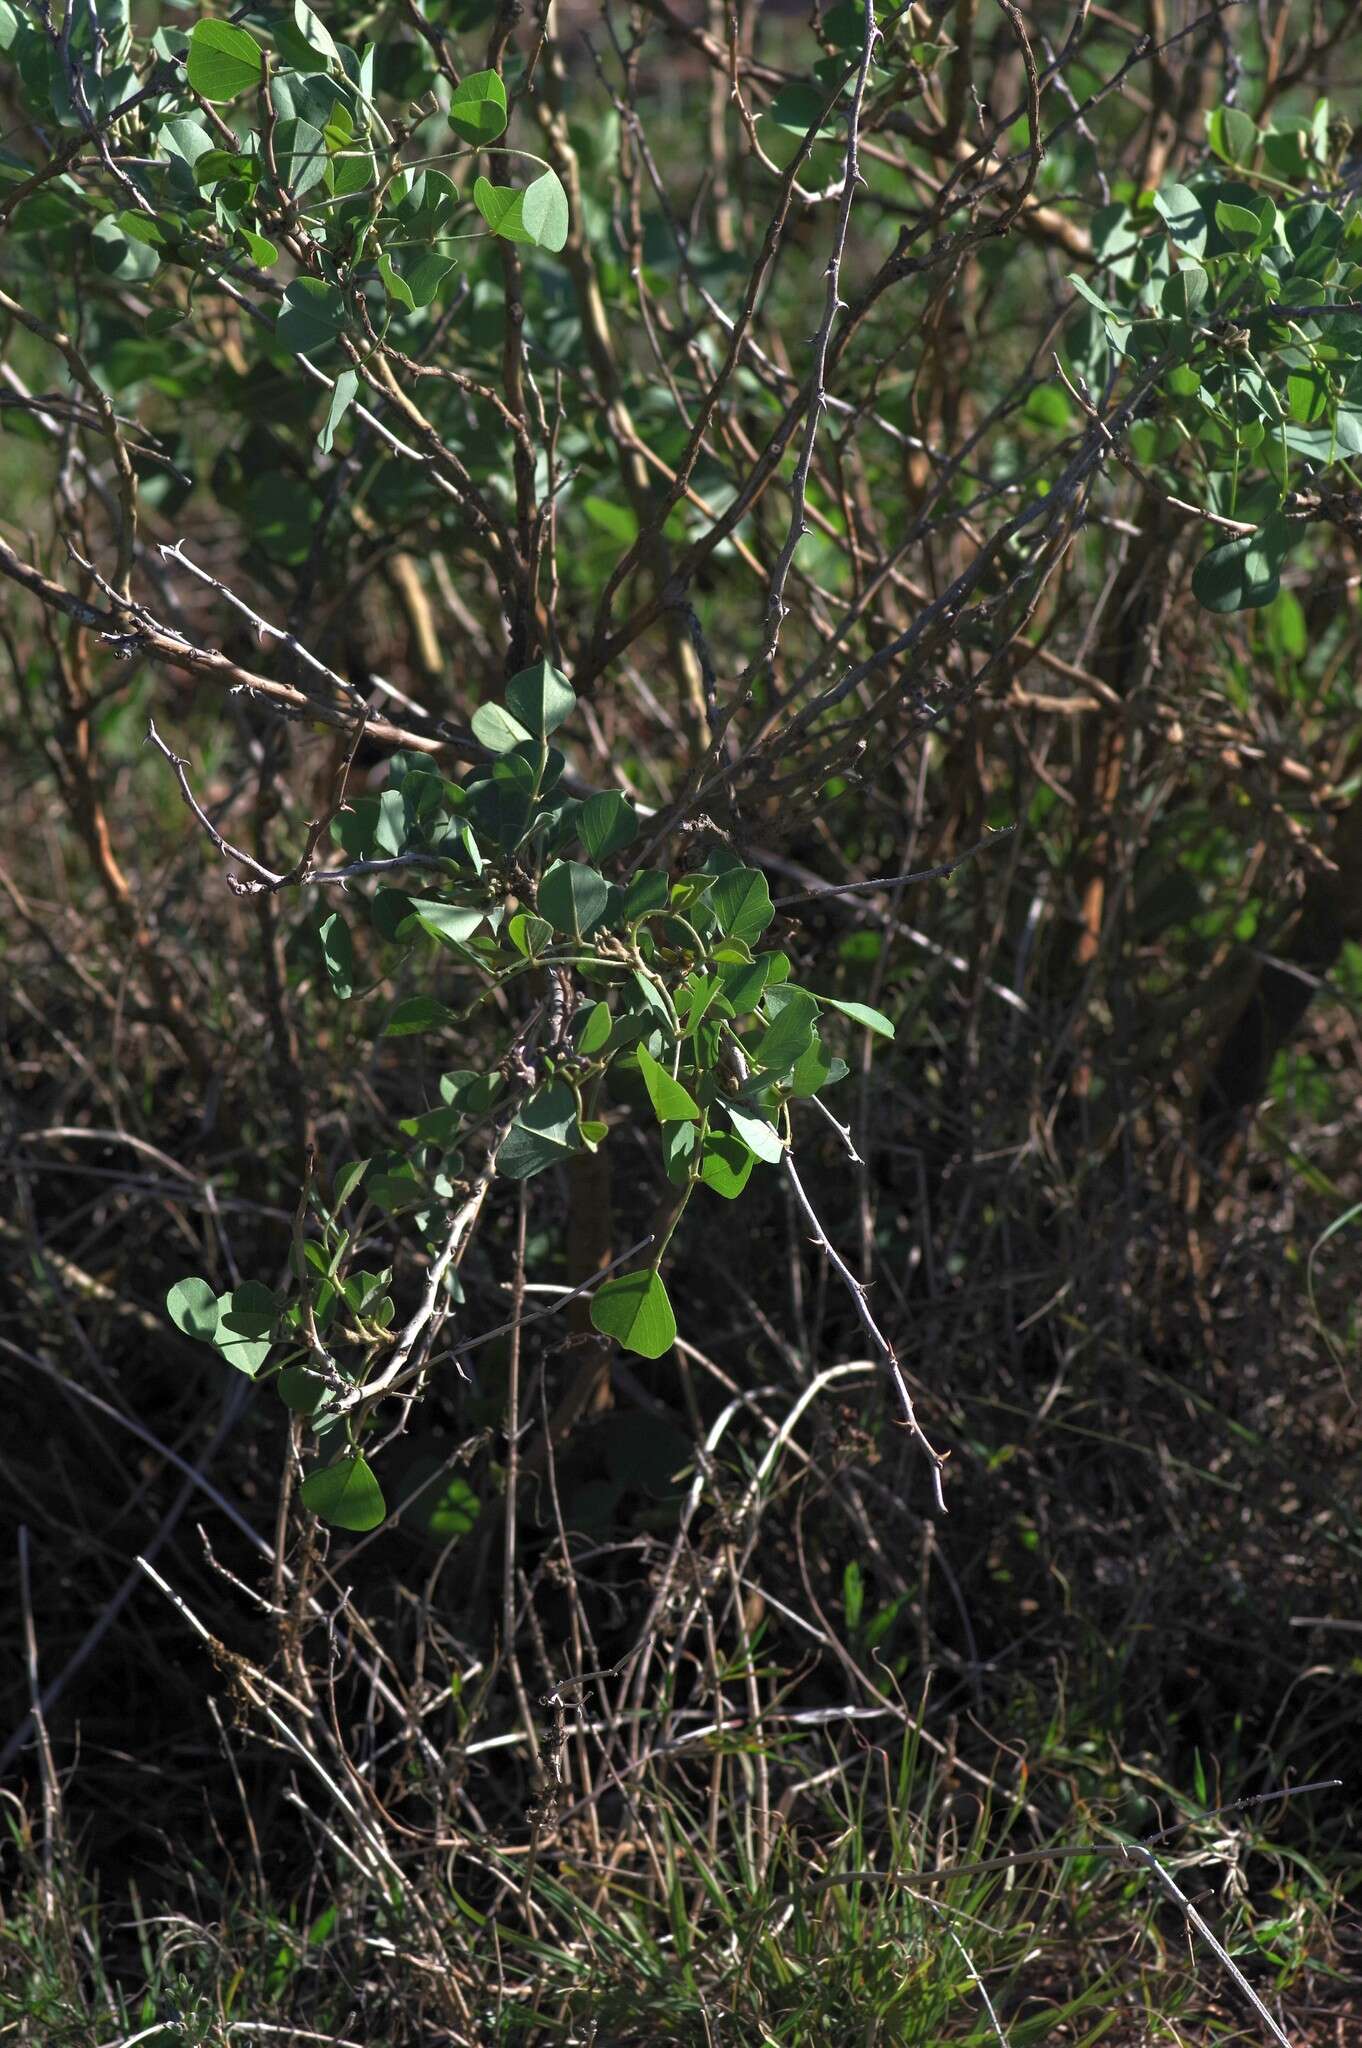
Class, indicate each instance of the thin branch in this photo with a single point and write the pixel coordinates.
(947, 867)
(888, 1357)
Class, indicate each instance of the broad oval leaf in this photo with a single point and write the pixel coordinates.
(788, 1036)
(345, 1494)
(726, 1164)
(596, 1030)
(300, 1390)
(246, 1317)
(758, 1135)
(500, 207)
(541, 698)
(477, 107)
(741, 900)
(497, 730)
(192, 1306)
(529, 934)
(311, 317)
(1245, 573)
(543, 1135)
(1180, 210)
(646, 893)
(450, 923)
(394, 284)
(607, 823)
(223, 60)
(544, 212)
(1231, 134)
(573, 897)
(635, 1311)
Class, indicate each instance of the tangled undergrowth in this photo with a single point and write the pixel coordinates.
(657, 1700)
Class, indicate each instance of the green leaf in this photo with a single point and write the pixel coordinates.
(1086, 292)
(678, 1148)
(1238, 222)
(1181, 211)
(224, 60)
(596, 1030)
(424, 272)
(741, 901)
(312, 316)
(758, 1135)
(192, 1306)
(844, 26)
(300, 1390)
(726, 1164)
(450, 923)
(338, 953)
(529, 934)
(1185, 291)
(443, 1505)
(314, 35)
(122, 256)
(544, 212)
(647, 892)
(342, 398)
(246, 1317)
(574, 897)
(262, 251)
(417, 1013)
(1245, 573)
(543, 1135)
(671, 1103)
(635, 1311)
(500, 206)
(861, 1013)
(699, 992)
(345, 1494)
(540, 698)
(816, 1070)
(1231, 134)
(789, 1036)
(215, 165)
(743, 982)
(301, 155)
(497, 730)
(800, 107)
(472, 1093)
(347, 1180)
(477, 108)
(396, 286)
(606, 823)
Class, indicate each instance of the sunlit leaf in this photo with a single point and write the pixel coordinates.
(635, 1311)
(345, 1494)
